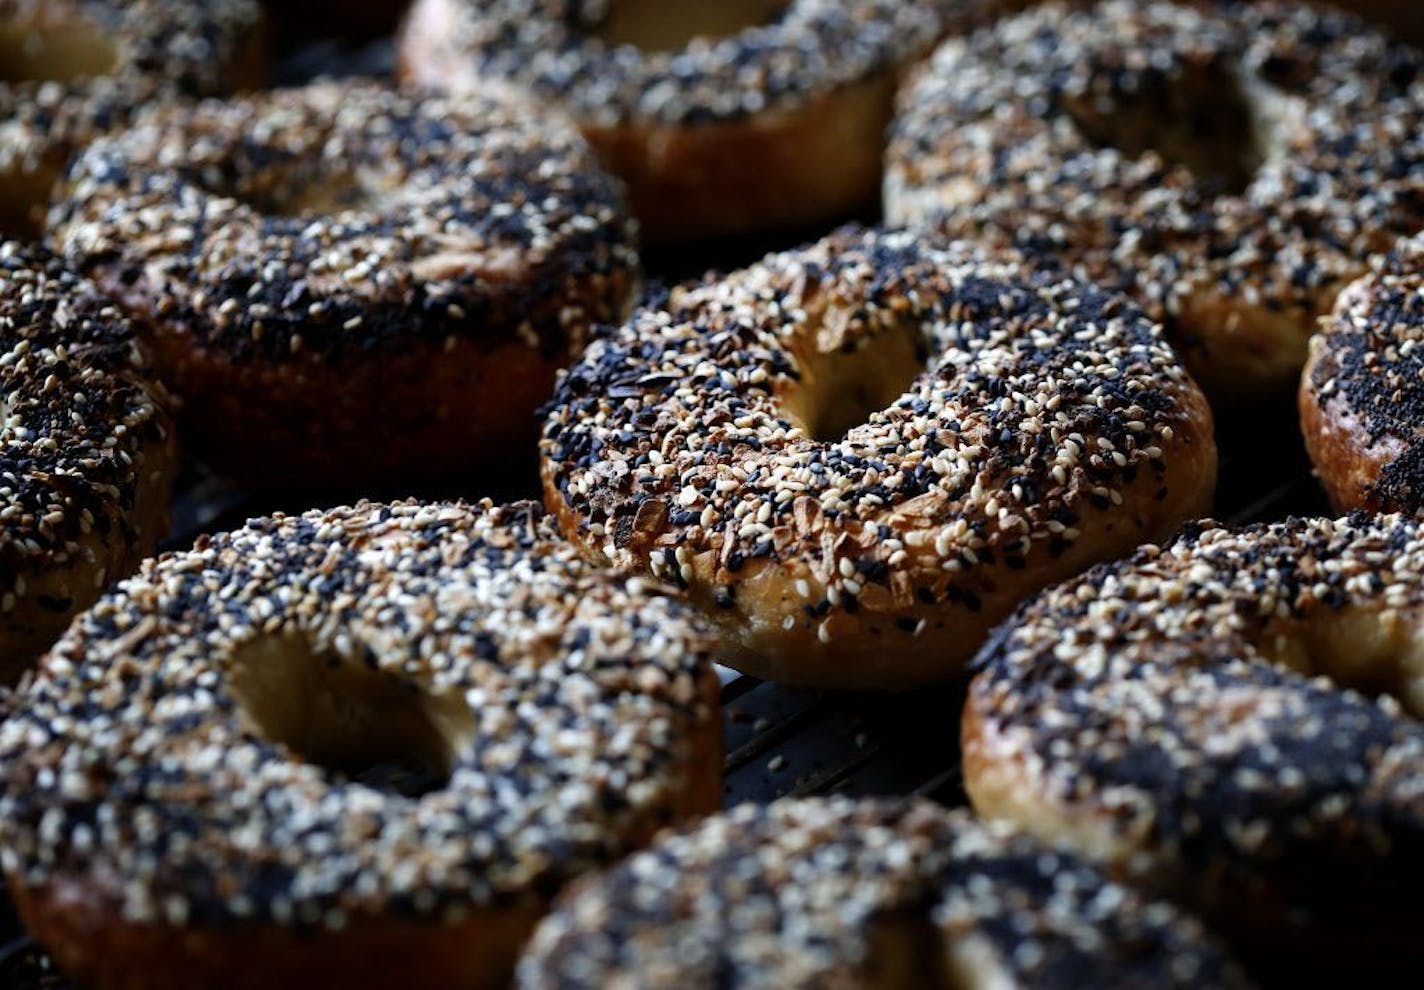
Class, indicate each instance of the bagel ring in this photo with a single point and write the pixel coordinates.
(360, 747)
(345, 284)
(727, 118)
(859, 456)
(1189, 716)
(1229, 165)
(839, 893)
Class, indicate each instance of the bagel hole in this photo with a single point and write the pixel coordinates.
(1202, 119)
(358, 723)
(1373, 652)
(295, 189)
(842, 388)
(56, 43)
(669, 26)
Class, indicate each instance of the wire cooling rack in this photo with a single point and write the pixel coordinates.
(779, 742)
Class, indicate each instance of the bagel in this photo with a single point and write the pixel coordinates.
(859, 456)
(87, 452)
(838, 893)
(1229, 165)
(1362, 394)
(359, 748)
(347, 285)
(71, 70)
(726, 118)
(1189, 717)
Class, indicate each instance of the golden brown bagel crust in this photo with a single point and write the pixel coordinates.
(346, 284)
(91, 943)
(1053, 428)
(76, 69)
(228, 797)
(1189, 717)
(87, 452)
(1232, 166)
(780, 125)
(849, 894)
(1362, 394)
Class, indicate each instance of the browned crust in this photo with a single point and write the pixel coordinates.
(816, 163)
(702, 793)
(251, 66)
(1239, 350)
(25, 195)
(1001, 785)
(98, 949)
(418, 412)
(408, 409)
